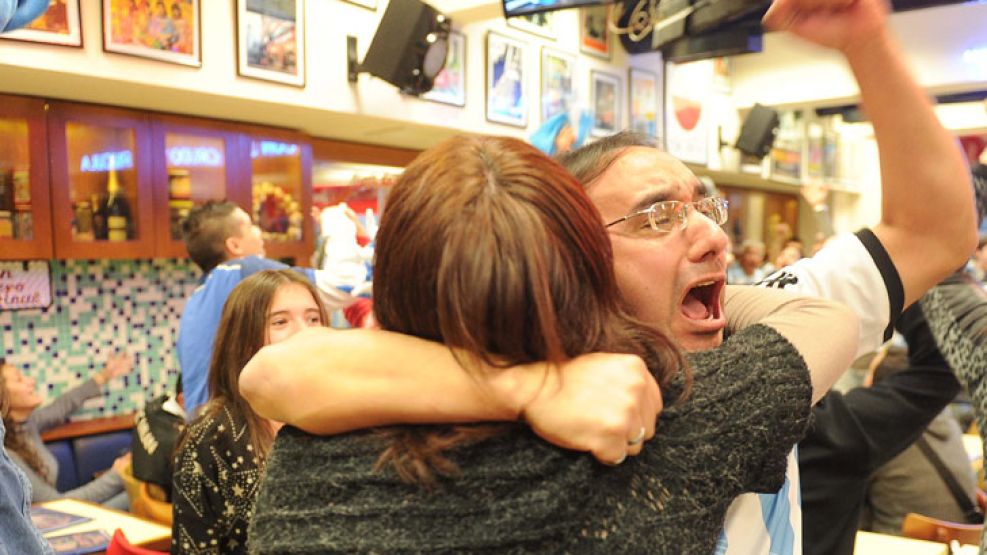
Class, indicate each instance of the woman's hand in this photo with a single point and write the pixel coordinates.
(117, 365)
(606, 404)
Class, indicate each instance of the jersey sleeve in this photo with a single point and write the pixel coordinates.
(856, 270)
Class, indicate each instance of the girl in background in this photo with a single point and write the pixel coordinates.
(220, 460)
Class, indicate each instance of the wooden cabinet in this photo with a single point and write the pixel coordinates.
(67, 158)
(26, 225)
(92, 149)
(193, 161)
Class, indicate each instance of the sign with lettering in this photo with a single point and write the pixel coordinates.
(24, 285)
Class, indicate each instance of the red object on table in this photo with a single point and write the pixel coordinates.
(120, 546)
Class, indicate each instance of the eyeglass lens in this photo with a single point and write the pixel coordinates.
(666, 216)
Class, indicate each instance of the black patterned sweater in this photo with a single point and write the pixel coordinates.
(956, 311)
(515, 493)
(217, 474)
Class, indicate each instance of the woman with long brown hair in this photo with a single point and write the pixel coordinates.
(220, 458)
(27, 419)
(495, 250)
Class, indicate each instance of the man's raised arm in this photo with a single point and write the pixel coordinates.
(927, 217)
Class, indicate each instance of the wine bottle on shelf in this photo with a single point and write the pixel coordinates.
(99, 217)
(117, 209)
(6, 203)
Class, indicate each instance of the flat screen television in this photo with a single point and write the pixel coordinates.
(526, 7)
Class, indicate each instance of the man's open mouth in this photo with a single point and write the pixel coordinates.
(702, 302)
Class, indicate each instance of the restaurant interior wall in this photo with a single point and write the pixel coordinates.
(99, 306)
(946, 48)
(372, 111)
(939, 44)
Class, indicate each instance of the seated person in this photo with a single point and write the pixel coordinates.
(749, 267)
(495, 250)
(220, 459)
(26, 421)
(911, 483)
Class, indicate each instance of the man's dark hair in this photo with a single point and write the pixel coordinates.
(205, 231)
(588, 163)
(983, 242)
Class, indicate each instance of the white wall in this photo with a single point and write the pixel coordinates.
(371, 111)
(791, 71)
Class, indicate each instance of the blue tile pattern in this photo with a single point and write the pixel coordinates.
(99, 306)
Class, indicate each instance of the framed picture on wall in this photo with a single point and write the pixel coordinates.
(270, 40)
(644, 102)
(166, 31)
(687, 87)
(605, 96)
(60, 24)
(450, 83)
(370, 4)
(594, 35)
(507, 90)
(541, 24)
(557, 69)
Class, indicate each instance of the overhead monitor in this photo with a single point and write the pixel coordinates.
(514, 8)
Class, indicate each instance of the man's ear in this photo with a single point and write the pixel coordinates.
(233, 247)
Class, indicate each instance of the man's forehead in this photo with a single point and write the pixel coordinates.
(648, 173)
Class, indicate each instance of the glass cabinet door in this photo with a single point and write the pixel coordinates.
(100, 188)
(25, 216)
(359, 175)
(281, 186)
(362, 187)
(195, 161)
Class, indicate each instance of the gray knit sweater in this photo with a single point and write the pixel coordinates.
(748, 407)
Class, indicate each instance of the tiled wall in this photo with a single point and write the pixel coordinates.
(98, 306)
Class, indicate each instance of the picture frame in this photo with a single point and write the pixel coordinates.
(594, 33)
(270, 40)
(369, 4)
(506, 81)
(60, 25)
(541, 24)
(605, 96)
(450, 83)
(557, 72)
(165, 31)
(687, 88)
(644, 102)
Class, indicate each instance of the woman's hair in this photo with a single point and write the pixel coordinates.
(492, 248)
(16, 439)
(242, 332)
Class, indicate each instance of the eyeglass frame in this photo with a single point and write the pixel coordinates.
(720, 203)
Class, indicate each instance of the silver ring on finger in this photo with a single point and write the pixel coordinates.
(638, 438)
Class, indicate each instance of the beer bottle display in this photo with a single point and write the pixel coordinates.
(117, 209)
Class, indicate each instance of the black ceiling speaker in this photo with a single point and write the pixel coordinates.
(757, 134)
(409, 48)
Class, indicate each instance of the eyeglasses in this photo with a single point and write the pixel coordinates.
(667, 215)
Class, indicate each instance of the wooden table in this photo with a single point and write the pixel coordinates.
(139, 531)
(869, 543)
